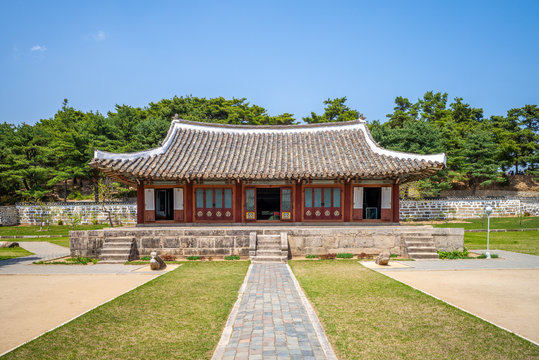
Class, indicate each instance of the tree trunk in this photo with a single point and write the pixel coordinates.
(96, 191)
(516, 167)
(65, 190)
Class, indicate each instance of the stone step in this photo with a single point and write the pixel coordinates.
(277, 259)
(119, 239)
(269, 246)
(268, 238)
(422, 249)
(268, 252)
(118, 257)
(116, 250)
(117, 244)
(423, 256)
(419, 243)
(417, 238)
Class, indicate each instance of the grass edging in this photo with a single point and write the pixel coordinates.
(455, 306)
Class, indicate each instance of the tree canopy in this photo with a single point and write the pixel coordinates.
(49, 160)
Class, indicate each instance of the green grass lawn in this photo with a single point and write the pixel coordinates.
(11, 253)
(528, 222)
(526, 242)
(179, 315)
(60, 230)
(367, 315)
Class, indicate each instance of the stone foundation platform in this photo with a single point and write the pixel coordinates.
(220, 241)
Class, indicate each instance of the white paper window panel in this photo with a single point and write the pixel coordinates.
(149, 202)
(386, 197)
(178, 198)
(358, 197)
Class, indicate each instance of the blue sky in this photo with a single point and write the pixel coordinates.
(287, 56)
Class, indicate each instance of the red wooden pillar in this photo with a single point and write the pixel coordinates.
(188, 203)
(238, 200)
(347, 204)
(140, 203)
(395, 202)
(298, 202)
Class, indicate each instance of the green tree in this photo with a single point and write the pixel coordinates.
(480, 152)
(335, 110)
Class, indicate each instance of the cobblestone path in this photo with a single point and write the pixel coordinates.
(272, 321)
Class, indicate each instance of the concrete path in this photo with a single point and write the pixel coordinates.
(502, 291)
(272, 319)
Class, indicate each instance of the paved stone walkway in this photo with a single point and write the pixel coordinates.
(272, 320)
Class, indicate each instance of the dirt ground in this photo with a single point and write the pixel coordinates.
(33, 304)
(507, 298)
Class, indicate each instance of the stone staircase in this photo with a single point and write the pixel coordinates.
(420, 246)
(269, 248)
(117, 250)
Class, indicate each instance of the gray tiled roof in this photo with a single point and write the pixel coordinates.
(194, 150)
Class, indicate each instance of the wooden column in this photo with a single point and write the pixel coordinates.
(395, 202)
(298, 202)
(188, 202)
(140, 203)
(238, 200)
(347, 202)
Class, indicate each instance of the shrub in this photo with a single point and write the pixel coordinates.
(328, 256)
(193, 257)
(393, 255)
(232, 257)
(345, 255)
(484, 256)
(169, 257)
(363, 256)
(146, 258)
(494, 256)
(311, 256)
(60, 222)
(453, 254)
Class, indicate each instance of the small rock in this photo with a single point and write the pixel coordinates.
(383, 258)
(156, 263)
(8, 244)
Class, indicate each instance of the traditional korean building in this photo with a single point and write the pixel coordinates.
(318, 173)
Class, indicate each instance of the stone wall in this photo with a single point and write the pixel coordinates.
(84, 213)
(180, 242)
(126, 213)
(8, 216)
(234, 240)
(466, 208)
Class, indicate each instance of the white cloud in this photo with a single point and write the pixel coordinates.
(38, 48)
(99, 36)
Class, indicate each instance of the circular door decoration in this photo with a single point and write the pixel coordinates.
(326, 213)
(317, 213)
(227, 214)
(199, 214)
(336, 213)
(218, 213)
(308, 213)
(208, 213)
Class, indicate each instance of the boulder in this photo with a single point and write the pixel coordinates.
(8, 244)
(156, 263)
(383, 258)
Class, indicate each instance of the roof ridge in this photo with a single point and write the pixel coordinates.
(336, 124)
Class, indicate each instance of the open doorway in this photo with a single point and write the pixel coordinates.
(268, 204)
(372, 201)
(163, 204)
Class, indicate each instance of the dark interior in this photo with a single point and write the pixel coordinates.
(372, 201)
(164, 204)
(268, 203)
